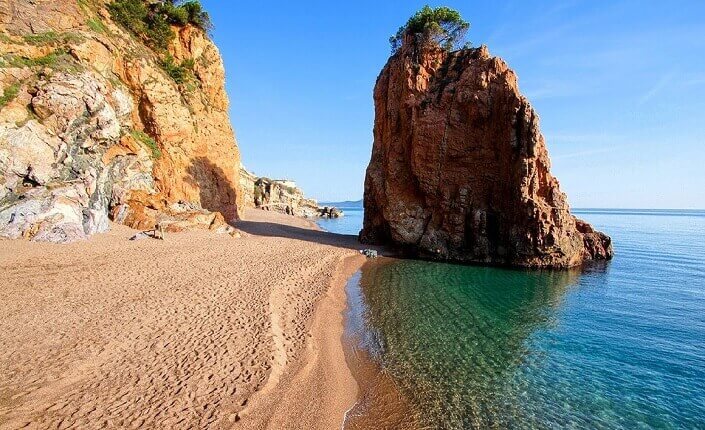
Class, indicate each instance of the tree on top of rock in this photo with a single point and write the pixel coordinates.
(441, 26)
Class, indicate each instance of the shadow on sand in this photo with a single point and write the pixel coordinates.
(270, 229)
(217, 193)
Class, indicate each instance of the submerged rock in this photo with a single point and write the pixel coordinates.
(459, 168)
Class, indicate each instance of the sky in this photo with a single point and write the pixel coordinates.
(619, 87)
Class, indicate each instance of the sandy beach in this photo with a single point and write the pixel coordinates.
(197, 331)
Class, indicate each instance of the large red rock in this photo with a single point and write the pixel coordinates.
(459, 168)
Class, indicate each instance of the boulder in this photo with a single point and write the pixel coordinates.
(57, 215)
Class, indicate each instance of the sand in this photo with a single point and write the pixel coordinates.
(197, 331)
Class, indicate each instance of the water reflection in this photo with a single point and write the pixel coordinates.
(444, 340)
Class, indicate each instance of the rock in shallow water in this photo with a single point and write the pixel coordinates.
(459, 168)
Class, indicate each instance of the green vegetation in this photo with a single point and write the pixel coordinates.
(51, 38)
(59, 60)
(41, 38)
(84, 5)
(197, 15)
(153, 22)
(45, 61)
(441, 26)
(9, 94)
(141, 20)
(180, 73)
(96, 25)
(146, 140)
(175, 15)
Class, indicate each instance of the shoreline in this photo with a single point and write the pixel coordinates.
(319, 391)
(379, 403)
(198, 330)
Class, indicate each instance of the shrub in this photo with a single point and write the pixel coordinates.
(146, 140)
(159, 33)
(197, 15)
(9, 94)
(188, 63)
(152, 22)
(441, 26)
(146, 23)
(180, 73)
(131, 14)
(175, 14)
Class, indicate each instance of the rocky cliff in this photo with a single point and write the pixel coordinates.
(459, 168)
(281, 196)
(96, 124)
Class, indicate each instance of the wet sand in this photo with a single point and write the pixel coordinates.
(380, 403)
(197, 331)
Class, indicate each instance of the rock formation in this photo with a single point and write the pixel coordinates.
(283, 196)
(93, 126)
(459, 168)
(280, 195)
(247, 187)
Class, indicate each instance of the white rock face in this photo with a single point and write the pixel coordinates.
(54, 183)
(26, 152)
(48, 216)
(69, 154)
(71, 105)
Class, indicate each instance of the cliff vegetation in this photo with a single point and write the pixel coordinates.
(112, 111)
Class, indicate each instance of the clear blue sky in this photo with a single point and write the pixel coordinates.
(619, 87)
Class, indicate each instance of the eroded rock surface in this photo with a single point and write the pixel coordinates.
(93, 127)
(459, 168)
(278, 195)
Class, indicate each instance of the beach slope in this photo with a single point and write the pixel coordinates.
(199, 330)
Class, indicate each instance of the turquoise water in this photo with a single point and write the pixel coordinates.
(618, 345)
(350, 223)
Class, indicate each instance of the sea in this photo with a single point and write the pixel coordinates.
(615, 345)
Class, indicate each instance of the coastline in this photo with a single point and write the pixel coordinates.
(199, 330)
(380, 403)
(318, 392)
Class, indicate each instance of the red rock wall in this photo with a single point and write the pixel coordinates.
(459, 168)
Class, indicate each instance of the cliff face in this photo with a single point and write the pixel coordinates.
(276, 195)
(93, 126)
(247, 187)
(459, 168)
(283, 196)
